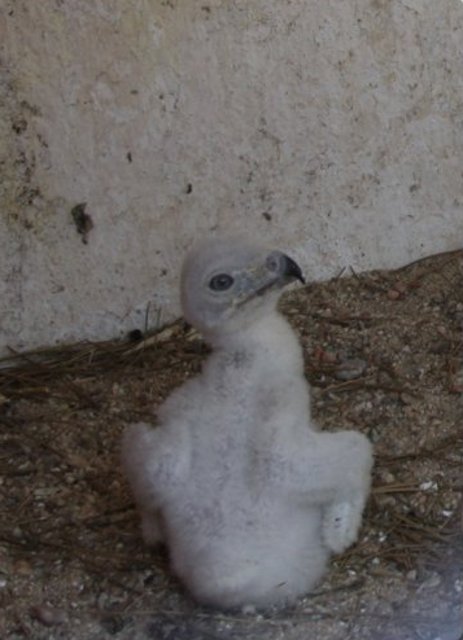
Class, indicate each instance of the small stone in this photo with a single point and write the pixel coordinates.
(393, 294)
(428, 485)
(412, 575)
(385, 501)
(406, 398)
(249, 610)
(102, 600)
(386, 476)
(48, 615)
(431, 583)
(351, 369)
(456, 383)
(22, 568)
(328, 357)
(384, 609)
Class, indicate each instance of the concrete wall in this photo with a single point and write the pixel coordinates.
(332, 129)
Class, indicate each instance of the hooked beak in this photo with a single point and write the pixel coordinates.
(277, 271)
(283, 270)
(291, 269)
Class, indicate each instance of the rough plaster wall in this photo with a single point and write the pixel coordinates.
(333, 129)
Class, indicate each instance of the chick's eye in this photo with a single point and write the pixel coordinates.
(221, 282)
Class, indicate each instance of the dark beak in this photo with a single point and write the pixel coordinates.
(291, 269)
(278, 271)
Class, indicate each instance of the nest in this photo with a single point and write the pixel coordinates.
(383, 356)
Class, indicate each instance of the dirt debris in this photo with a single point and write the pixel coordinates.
(384, 355)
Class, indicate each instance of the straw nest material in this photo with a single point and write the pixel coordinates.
(384, 355)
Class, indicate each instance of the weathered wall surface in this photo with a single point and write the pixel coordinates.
(332, 129)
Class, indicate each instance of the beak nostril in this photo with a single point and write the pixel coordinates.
(273, 262)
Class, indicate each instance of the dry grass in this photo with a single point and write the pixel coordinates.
(71, 560)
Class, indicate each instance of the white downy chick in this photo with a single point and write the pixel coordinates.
(236, 480)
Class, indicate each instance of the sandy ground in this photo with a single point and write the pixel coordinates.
(384, 355)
